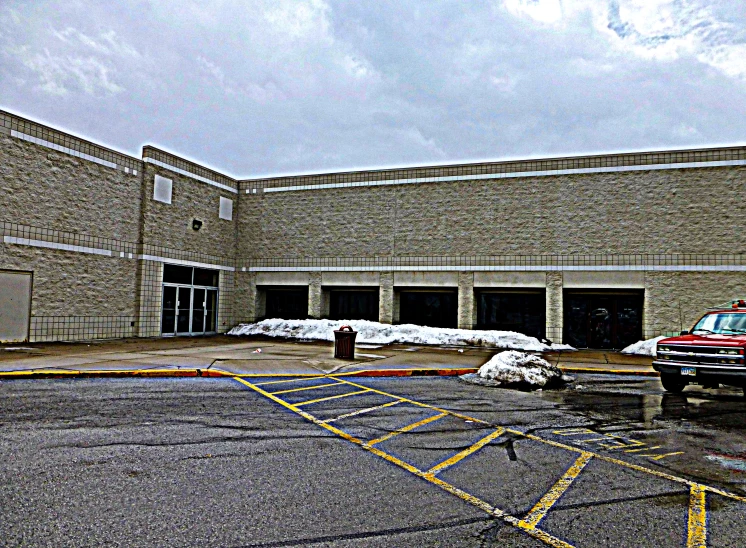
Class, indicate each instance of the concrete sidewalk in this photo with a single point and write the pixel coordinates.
(228, 355)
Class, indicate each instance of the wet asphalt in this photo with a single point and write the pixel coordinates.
(212, 462)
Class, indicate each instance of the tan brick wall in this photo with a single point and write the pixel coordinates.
(675, 300)
(46, 188)
(604, 213)
(170, 225)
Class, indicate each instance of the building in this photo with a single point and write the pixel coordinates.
(595, 251)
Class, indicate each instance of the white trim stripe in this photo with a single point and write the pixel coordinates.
(70, 151)
(56, 245)
(182, 262)
(502, 268)
(510, 175)
(190, 174)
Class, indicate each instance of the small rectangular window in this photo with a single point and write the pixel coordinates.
(226, 209)
(162, 188)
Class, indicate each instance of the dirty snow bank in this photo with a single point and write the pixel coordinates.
(517, 369)
(378, 333)
(643, 348)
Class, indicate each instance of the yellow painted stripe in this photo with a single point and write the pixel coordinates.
(541, 508)
(330, 398)
(407, 428)
(697, 532)
(414, 402)
(553, 443)
(363, 411)
(466, 452)
(463, 495)
(296, 379)
(314, 387)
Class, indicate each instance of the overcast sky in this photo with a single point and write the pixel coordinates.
(255, 88)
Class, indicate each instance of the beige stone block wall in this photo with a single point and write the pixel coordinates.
(386, 297)
(637, 212)
(315, 295)
(45, 188)
(554, 306)
(150, 298)
(170, 225)
(466, 301)
(245, 297)
(675, 300)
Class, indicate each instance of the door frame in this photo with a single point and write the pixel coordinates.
(191, 288)
(601, 292)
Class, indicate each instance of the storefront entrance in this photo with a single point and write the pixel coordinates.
(602, 319)
(190, 300)
(512, 310)
(429, 308)
(287, 303)
(353, 304)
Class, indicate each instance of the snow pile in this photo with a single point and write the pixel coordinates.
(518, 369)
(379, 333)
(643, 348)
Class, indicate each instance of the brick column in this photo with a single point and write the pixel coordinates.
(466, 300)
(314, 295)
(386, 297)
(246, 302)
(554, 306)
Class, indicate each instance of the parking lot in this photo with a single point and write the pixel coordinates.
(334, 460)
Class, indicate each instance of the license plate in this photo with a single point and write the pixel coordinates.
(691, 371)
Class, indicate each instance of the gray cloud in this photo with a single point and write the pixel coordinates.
(284, 86)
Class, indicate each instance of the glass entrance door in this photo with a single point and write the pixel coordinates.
(189, 308)
(603, 319)
(183, 309)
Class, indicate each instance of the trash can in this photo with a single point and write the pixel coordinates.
(344, 343)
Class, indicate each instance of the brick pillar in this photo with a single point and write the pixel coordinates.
(554, 306)
(245, 304)
(314, 295)
(466, 300)
(386, 297)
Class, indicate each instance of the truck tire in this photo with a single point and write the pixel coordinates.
(673, 383)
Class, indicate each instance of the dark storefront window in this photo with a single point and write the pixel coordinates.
(287, 304)
(523, 312)
(602, 319)
(430, 308)
(353, 304)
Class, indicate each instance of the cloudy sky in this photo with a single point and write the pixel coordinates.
(258, 87)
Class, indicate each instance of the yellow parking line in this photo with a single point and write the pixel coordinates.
(407, 428)
(697, 525)
(305, 388)
(413, 402)
(463, 495)
(363, 411)
(553, 443)
(466, 452)
(301, 379)
(330, 397)
(541, 508)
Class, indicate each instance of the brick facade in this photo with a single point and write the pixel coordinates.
(84, 220)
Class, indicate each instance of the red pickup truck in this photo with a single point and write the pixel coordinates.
(711, 353)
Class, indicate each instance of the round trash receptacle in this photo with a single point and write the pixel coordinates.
(344, 343)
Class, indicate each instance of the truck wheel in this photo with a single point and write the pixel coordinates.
(673, 383)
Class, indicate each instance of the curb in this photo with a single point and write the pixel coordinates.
(82, 374)
(631, 372)
(214, 373)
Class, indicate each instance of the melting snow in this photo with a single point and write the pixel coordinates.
(513, 368)
(378, 333)
(643, 348)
